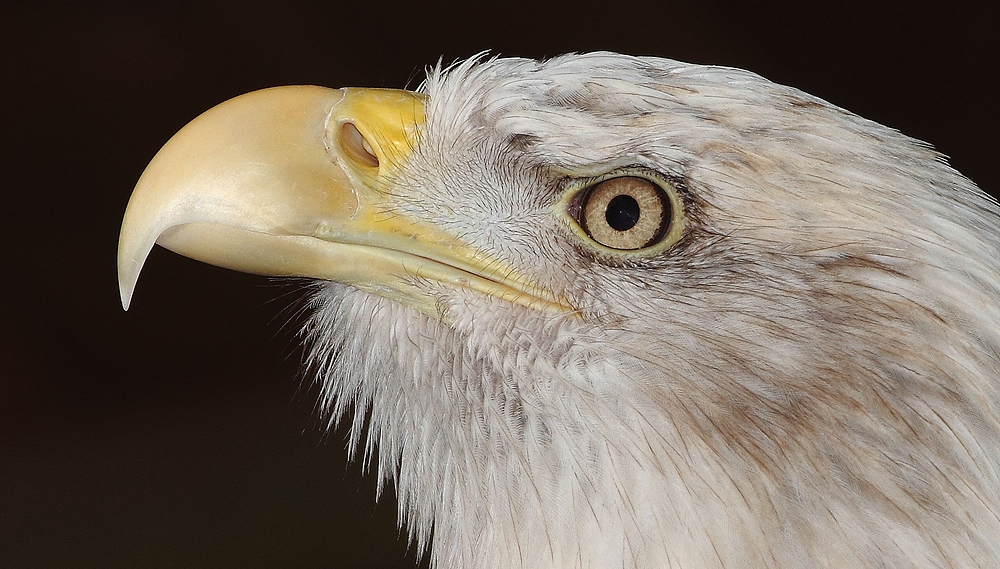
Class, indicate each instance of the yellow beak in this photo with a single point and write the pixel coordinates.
(292, 181)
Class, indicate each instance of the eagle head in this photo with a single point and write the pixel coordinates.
(611, 311)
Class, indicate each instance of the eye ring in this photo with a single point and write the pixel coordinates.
(620, 232)
(627, 212)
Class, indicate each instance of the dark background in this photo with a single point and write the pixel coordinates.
(180, 434)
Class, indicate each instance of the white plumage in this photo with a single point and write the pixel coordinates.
(807, 377)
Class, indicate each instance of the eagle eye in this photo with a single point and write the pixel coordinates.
(625, 213)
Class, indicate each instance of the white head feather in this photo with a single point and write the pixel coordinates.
(808, 378)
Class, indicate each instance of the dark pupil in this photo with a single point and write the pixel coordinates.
(622, 213)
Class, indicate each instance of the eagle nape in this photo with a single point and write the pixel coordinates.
(612, 311)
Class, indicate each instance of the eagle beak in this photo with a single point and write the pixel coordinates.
(292, 181)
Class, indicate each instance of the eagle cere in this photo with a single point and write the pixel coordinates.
(612, 311)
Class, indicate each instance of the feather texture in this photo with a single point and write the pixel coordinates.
(808, 378)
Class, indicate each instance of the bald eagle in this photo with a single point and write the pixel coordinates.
(609, 311)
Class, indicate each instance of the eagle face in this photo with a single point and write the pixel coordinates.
(608, 311)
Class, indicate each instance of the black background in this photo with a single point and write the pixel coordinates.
(180, 434)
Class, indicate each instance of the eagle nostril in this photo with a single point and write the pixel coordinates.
(354, 143)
